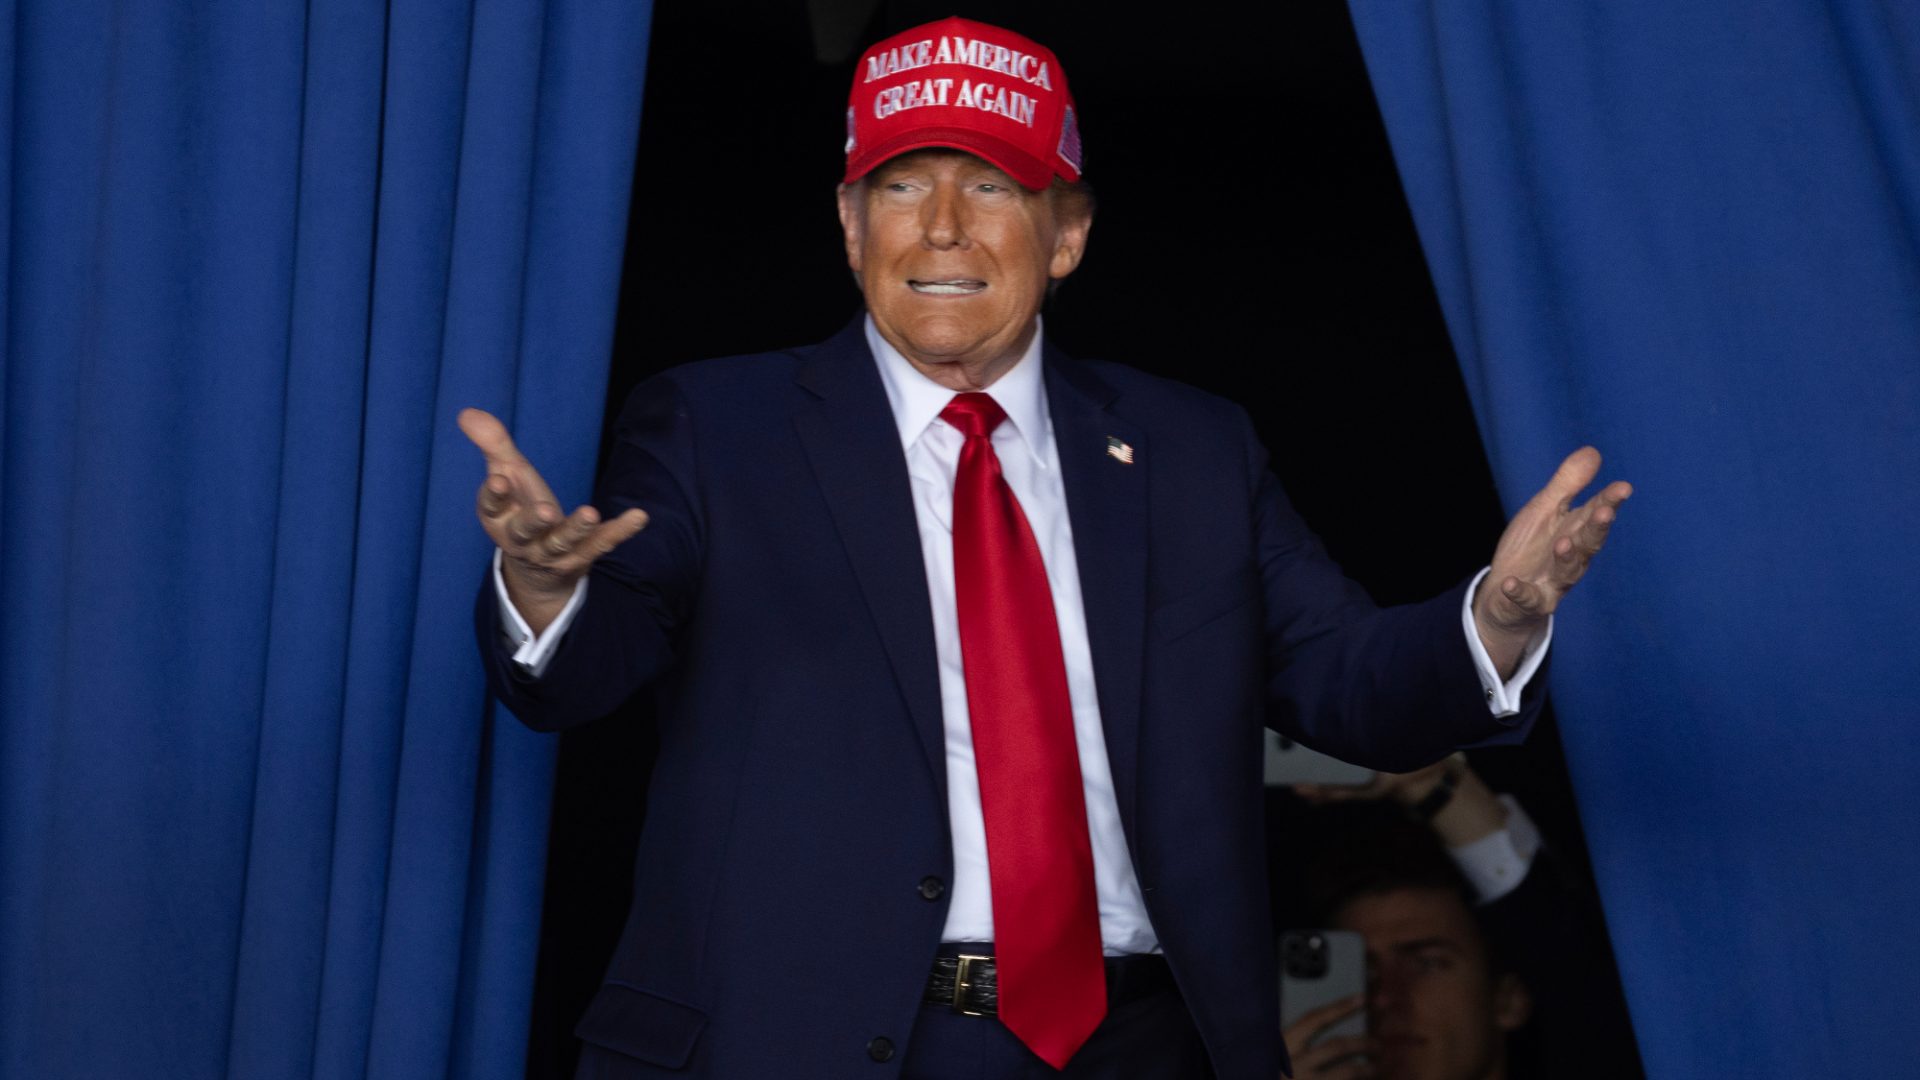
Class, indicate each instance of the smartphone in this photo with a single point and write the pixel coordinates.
(1290, 763)
(1319, 967)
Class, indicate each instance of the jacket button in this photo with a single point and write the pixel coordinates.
(932, 888)
(880, 1049)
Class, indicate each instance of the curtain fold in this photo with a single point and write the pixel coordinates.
(1686, 233)
(257, 817)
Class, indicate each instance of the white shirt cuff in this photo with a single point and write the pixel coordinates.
(1496, 864)
(532, 651)
(1502, 698)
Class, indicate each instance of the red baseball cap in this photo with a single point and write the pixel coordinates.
(968, 86)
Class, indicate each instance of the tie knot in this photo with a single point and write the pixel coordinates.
(973, 414)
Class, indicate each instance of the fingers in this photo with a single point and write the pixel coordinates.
(486, 431)
(560, 541)
(525, 524)
(1320, 794)
(1572, 477)
(514, 503)
(1524, 595)
(516, 506)
(1330, 1059)
(1518, 603)
(605, 537)
(575, 544)
(1337, 1059)
(1380, 786)
(1604, 507)
(1615, 493)
(496, 496)
(559, 553)
(1588, 533)
(1314, 1021)
(1421, 779)
(544, 539)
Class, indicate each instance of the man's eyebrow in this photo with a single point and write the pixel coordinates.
(1423, 944)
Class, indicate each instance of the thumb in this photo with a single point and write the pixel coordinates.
(485, 431)
(1518, 601)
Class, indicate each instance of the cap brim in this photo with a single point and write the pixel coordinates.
(1031, 173)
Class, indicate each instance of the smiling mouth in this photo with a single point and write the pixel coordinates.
(948, 287)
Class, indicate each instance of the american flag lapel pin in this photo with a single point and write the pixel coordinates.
(1119, 451)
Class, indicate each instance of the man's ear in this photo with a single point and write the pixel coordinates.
(853, 220)
(1512, 1002)
(1069, 242)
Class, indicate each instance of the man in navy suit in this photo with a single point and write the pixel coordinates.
(964, 647)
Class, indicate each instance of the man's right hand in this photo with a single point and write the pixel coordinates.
(1343, 1057)
(545, 553)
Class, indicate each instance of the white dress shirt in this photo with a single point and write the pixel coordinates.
(1024, 444)
(1028, 459)
(1496, 863)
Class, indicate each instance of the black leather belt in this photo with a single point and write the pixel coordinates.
(966, 983)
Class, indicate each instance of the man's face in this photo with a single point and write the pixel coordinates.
(954, 257)
(1432, 1001)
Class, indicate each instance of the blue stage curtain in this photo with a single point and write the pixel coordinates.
(1689, 233)
(257, 817)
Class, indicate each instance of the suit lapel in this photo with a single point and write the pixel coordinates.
(847, 430)
(1107, 505)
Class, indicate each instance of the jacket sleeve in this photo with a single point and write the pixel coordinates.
(639, 595)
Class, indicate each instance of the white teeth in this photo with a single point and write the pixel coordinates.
(947, 288)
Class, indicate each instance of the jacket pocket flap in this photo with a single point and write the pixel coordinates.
(641, 1025)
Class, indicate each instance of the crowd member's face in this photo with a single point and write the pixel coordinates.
(954, 257)
(1436, 1007)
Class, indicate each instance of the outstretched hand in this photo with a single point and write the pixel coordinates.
(1544, 550)
(545, 552)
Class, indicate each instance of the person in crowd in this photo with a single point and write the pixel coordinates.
(1487, 954)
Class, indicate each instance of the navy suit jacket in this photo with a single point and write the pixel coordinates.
(778, 604)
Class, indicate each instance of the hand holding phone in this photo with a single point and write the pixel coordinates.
(1331, 1057)
(1323, 979)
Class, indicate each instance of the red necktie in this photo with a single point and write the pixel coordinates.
(1046, 917)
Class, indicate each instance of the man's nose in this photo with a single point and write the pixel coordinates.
(945, 225)
(1385, 993)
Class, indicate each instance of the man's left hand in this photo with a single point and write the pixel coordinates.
(1544, 551)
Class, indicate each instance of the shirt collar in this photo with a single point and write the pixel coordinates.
(917, 400)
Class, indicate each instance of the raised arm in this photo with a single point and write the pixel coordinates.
(621, 633)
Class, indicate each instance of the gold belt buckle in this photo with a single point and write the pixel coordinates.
(962, 979)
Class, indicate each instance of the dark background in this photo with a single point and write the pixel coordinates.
(1252, 239)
